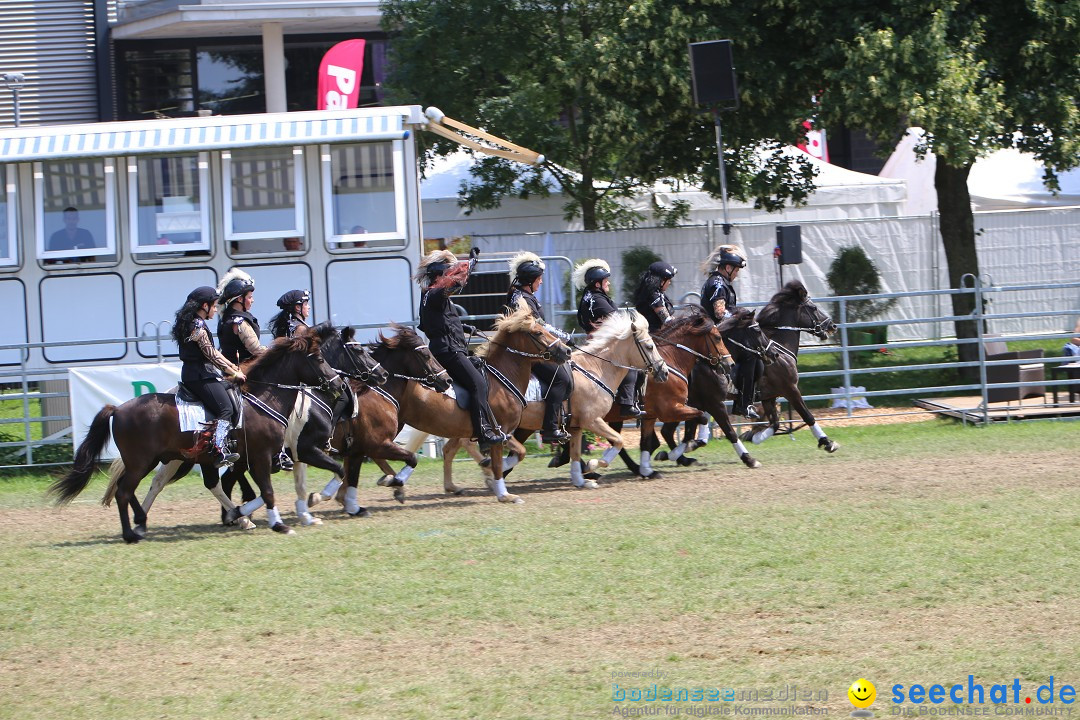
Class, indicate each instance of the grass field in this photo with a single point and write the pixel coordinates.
(919, 553)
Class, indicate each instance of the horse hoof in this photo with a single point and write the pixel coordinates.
(281, 528)
(231, 516)
(592, 476)
(360, 513)
(131, 537)
(662, 455)
(485, 462)
(695, 444)
(139, 530)
(686, 461)
(592, 464)
(314, 499)
(308, 520)
(246, 523)
(399, 495)
(747, 435)
(749, 461)
(590, 485)
(512, 499)
(453, 490)
(654, 475)
(830, 446)
(384, 480)
(557, 461)
(394, 483)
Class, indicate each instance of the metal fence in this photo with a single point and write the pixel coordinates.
(39, 397)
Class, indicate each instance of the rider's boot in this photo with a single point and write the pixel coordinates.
(224, 455)
(488, 435)
(552, 432)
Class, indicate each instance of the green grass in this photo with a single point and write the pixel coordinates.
(886, 560)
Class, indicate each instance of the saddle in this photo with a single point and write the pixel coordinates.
(193, 414)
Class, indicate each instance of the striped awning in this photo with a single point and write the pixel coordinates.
(155, 137)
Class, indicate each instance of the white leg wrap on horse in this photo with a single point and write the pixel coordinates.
(762, 435)
(352, 505)
(301, 508)
(252, 505)
(331, 488)
(610, 454)
(677, 452)
(499, 486)
(646, 463)
(510, 461)
(703, 431)
(404, 473)
(273, 516)
(818, 432)
(740, 448)
(576, 476)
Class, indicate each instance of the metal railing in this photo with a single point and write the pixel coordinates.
(23, 387)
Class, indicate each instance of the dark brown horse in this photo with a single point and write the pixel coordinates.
(147, 432)
(790, 313)
(407, 359)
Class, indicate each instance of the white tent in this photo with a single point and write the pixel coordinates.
(1004, 180)
(841, 194)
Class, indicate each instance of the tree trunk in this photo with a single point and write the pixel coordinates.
(588, 212)
(958, 238)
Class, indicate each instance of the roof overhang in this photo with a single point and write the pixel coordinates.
(160, 19)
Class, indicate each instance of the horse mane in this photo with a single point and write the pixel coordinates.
(521, 320)
(793, 294)
(615, 326)
(404, 337)
(740, 318)
(692, 319)
(306, 340)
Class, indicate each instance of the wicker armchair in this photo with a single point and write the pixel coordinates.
(1021, 373)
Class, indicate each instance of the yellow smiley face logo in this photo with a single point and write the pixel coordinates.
(862, 693)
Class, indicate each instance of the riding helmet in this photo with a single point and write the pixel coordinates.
(590, 272)
(663, 270)
(234, 286)
(525, 267)
(203, 294)
(596, 274)
(293, 297)
(730, 255)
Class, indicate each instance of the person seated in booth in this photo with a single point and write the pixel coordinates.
(1072, 348)
(71, 236)
(292, 244)
(358, 230)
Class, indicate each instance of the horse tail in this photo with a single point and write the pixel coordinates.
(116, 469)
(66, 488)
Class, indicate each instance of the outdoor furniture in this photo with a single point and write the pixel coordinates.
(1028, 372)
(1071, 371)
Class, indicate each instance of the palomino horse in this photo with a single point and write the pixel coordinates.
(688, 338)
(622, 342)
(519, 342)
(407, 360)
(789, 313)
(146, 430)
(305, 434)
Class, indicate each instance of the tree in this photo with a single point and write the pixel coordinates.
(975, 75)
(603, 90)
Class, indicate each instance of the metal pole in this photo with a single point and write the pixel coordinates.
(15, 99)
(723, 175)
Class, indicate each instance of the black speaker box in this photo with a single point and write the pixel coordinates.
(789, 240)
(713, 74)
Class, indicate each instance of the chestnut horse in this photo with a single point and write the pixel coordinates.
(407, 360)
(790, 313)
(146, 430)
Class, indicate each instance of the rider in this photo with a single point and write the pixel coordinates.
(718, 298)
(594, 277)
(203, 366)
(649, 298)
(238, 330)
(295, 309)
(526, 275)
(441, 276)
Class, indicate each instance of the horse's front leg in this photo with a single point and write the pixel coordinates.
(648, 446)
(724, 421)
(577, 474)
(498, 483)
(351, 498)
(823, 440)
(302, 510)
(259, 465)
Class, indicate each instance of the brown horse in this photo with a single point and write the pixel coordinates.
(519, 342)
(790, 313)
(147, 432)
(689, 338)
(407, 360)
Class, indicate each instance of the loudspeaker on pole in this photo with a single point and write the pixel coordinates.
(789, 242)
(713, 74)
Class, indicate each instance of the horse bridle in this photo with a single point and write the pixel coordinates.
(545, 353)
(427, 381)
(760, 352)
(327, 385)
(817, 328)
(714, 359)
(650, 368)
(363, 374)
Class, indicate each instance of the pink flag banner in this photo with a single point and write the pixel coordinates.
(339, 76)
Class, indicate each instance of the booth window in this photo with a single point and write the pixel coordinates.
(266, 196)
(75, 203)
(366, 208)
(167, 199)
(9, 253)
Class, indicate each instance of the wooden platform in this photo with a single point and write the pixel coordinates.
(969, 408)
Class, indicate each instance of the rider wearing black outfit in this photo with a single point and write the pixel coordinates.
(294, 313)
(203, 366)
(238, 330)
(442, 276)
(649, 298)
(526, 273)
(719, 299)
(594, 277)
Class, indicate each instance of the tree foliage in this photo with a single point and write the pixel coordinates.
(603, 90)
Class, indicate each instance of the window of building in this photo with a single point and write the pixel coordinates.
(169, 204)
(9, 247)
(265, 194)
(231, 80)
(75, 201)
(156, 82)
(366, 207)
